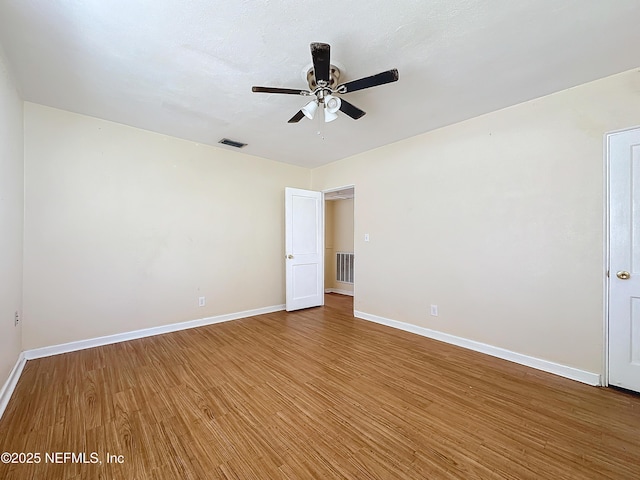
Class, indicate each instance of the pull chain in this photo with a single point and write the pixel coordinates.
(320, 121)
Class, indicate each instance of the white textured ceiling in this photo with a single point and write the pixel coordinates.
(185, 68)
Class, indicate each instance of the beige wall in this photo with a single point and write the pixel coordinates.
(338, 238)
(11, 218)
(498, 220)
(125, 229)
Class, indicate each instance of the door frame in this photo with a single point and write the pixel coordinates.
(324, 230)
(606, 225)
(605, 284)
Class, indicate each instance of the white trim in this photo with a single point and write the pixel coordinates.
(146, 332)
(533, 362)
(606, 220)
(337, 189)
(622, 130)
(338, 290)
(10, 385)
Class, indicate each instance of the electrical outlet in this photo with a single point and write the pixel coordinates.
(434, 310)
(17, 319)
(201, 301)
(366, 237)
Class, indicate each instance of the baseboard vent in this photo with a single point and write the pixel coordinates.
(344, 267)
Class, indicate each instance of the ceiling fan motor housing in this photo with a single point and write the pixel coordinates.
(334, 77)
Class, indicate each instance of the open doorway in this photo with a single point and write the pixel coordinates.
(339, 266)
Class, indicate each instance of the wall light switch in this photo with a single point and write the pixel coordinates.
(201, 302)
(434, 310)
(366, 237)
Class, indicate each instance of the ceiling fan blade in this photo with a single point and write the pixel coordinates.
(288, 91)
(368, 82)
(350, 109)
(321, 55)
(297, 117)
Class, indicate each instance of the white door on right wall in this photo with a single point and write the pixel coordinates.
(623, 151)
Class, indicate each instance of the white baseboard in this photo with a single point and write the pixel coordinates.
(337, 290)
(10, 385)
(146, 332)
(533, 362)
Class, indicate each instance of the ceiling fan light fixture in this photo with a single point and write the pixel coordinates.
(332, 104)
(329, 116)
(309, 109)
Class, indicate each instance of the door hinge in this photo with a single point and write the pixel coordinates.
(607, 273)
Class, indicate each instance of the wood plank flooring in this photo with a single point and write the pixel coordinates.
(315, 394)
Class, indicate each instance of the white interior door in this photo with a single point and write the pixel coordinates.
(304, 248)
(623, 150)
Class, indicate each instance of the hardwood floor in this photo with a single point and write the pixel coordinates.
(312, 394)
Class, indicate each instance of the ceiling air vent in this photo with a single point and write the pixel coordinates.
(232, 143)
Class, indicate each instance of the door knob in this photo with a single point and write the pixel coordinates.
(290, 256)
(623, 275)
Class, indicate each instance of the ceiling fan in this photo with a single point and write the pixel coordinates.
(323, 85)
